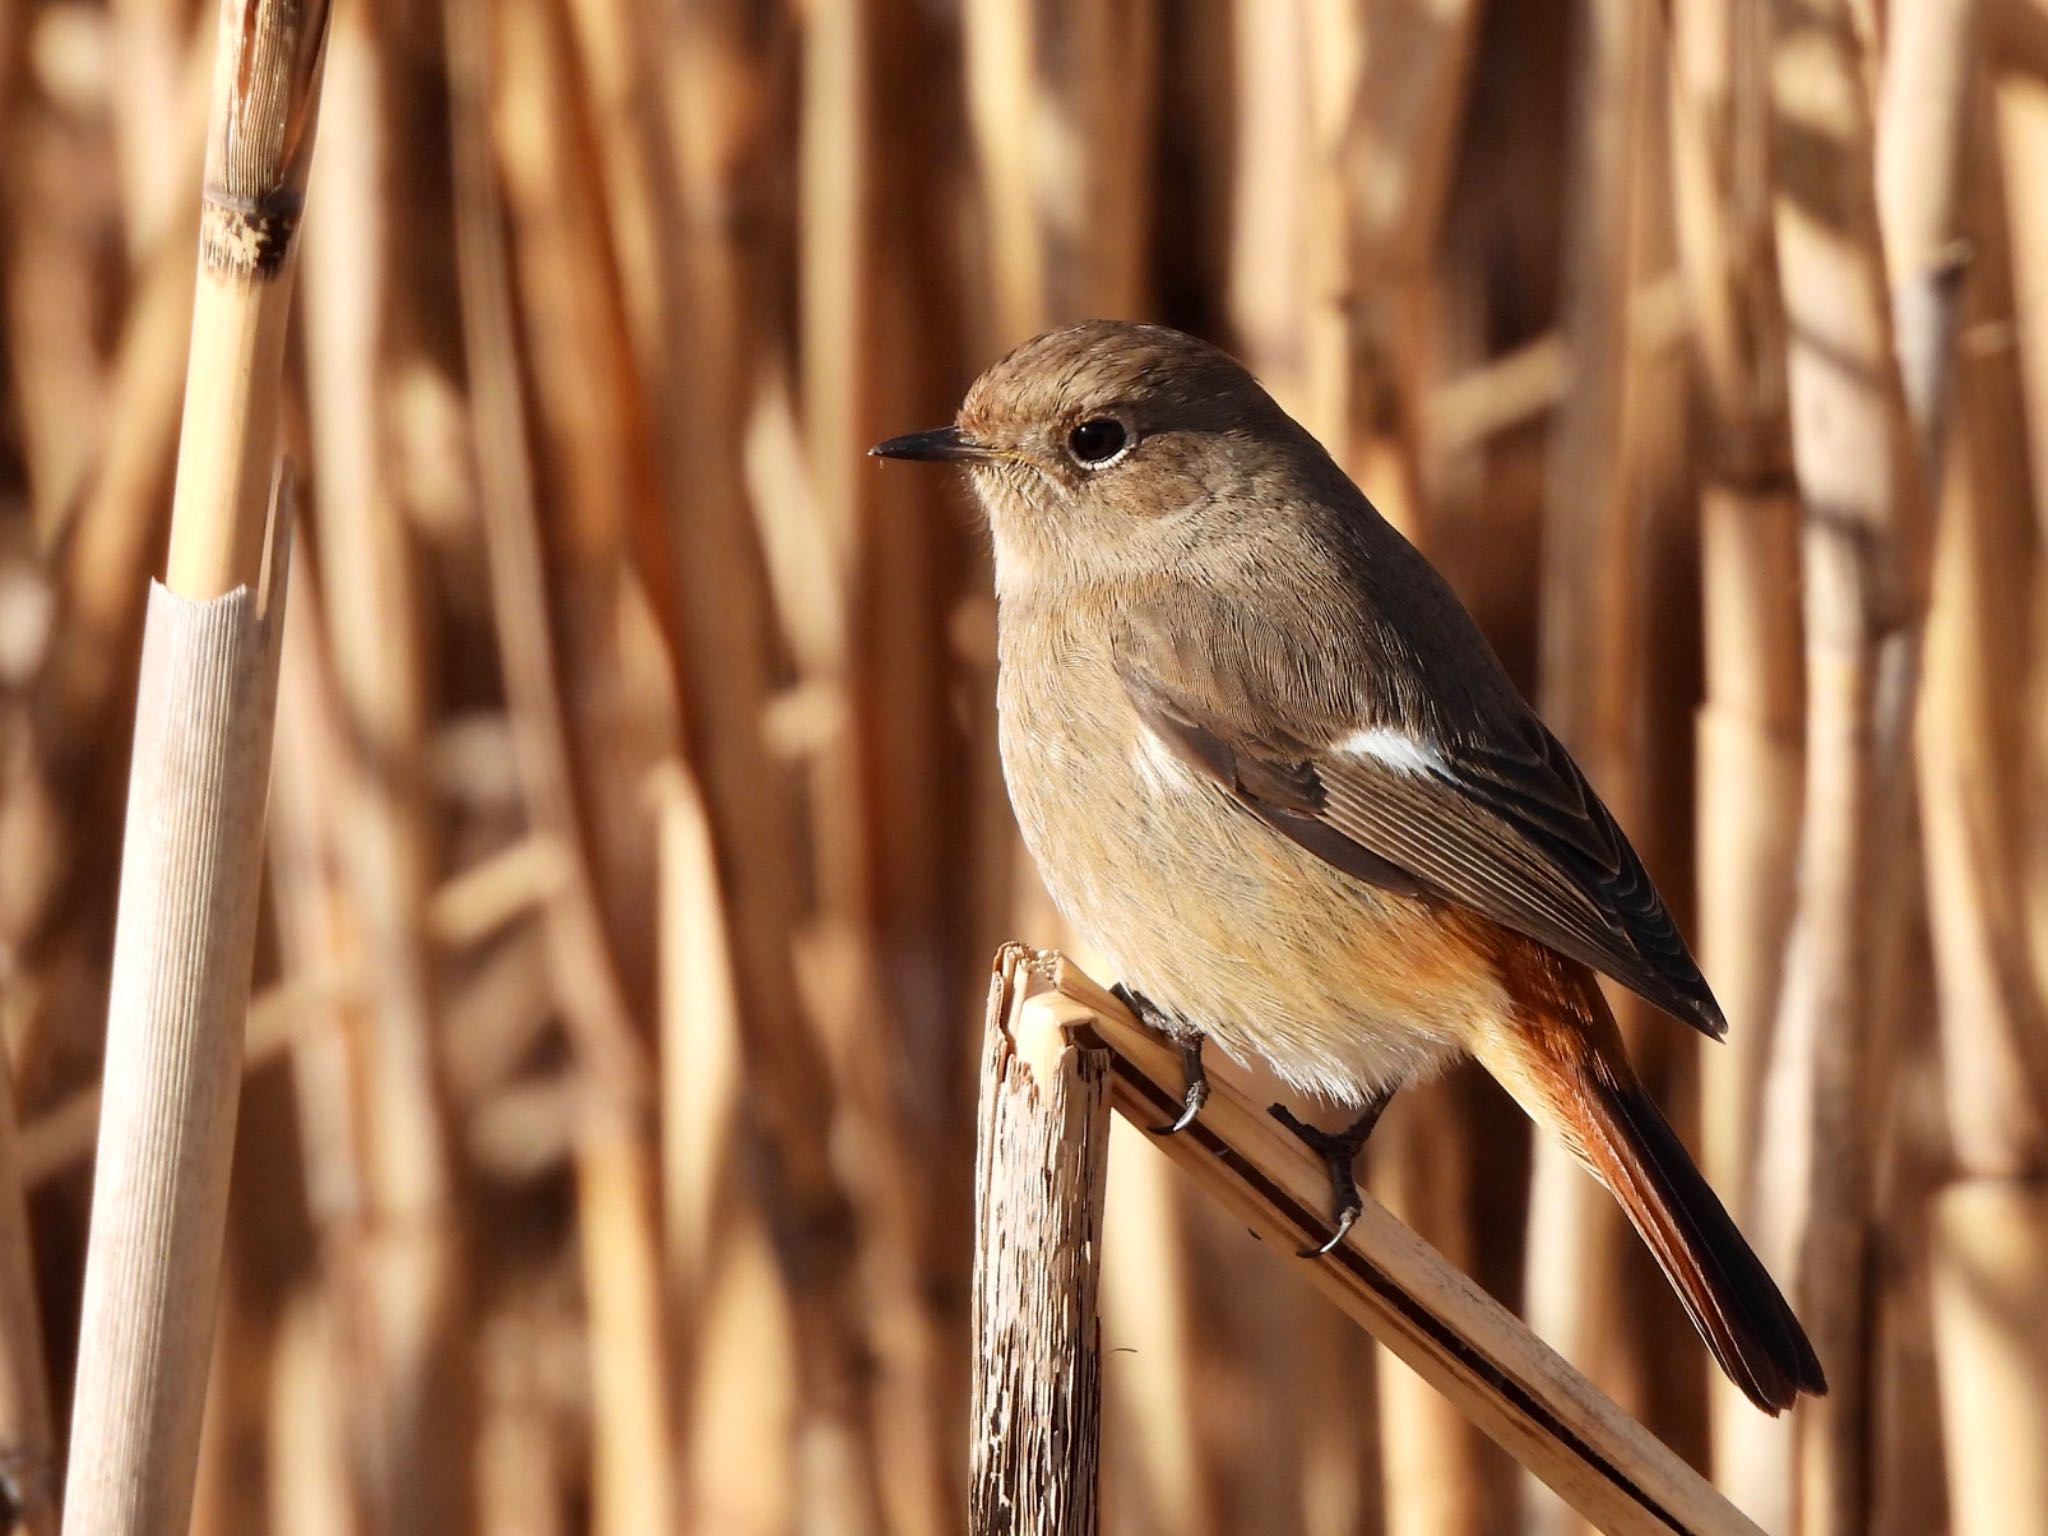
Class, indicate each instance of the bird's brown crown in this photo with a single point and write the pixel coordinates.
(1156, 377)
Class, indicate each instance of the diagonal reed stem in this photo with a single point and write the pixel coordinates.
(1526, 1398)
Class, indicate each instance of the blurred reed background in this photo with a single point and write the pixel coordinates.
(636, 840)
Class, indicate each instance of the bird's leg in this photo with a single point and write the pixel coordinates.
(1195, 1076)
(1339, 1151)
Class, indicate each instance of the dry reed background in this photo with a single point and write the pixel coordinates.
(636, 846)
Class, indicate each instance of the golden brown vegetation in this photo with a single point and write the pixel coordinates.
(636, 845)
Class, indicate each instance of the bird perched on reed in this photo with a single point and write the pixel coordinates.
(1267, 764)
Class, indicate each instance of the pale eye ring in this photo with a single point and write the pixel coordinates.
(1099, 442)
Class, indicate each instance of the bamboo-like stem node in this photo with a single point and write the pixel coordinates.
(248, 236)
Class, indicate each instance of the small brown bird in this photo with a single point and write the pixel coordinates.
(1267, 764)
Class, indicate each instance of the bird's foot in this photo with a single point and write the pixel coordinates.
(1339, 1151)
(1195, 1076)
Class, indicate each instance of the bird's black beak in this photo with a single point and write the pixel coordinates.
(946, 445)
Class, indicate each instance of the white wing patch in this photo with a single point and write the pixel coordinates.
(1158, 769)
(1394, 747)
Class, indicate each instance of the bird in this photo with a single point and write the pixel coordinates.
(1269, 768)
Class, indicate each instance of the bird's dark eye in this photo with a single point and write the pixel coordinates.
(1097, 440)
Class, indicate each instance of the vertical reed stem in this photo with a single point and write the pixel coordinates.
(1863, 542)
(186, 926)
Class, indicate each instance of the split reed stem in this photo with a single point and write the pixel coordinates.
(192, 858)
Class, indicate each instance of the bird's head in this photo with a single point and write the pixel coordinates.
(1110, 449)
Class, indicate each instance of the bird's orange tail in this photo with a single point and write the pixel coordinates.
(1567, 1069)
(1727, 1292)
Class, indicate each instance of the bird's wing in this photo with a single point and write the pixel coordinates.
(1499, 821)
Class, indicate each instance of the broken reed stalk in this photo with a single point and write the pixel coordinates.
(1863, 536)
(1531, 1402)
(187, 914)
(1041, 1172)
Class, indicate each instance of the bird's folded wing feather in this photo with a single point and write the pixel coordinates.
(1505, 825)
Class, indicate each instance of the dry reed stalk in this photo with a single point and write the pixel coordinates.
(1158, 1473)
(1261, 205)
(2020, 91)
(1989, 1225)
(118, 528)
(522, 1483)
(1990, 1243)
(2020, 88)
(28, 1454)
(307, 1448)
(698, 1041)
(2017, 36)
(10, 52)
(56, 155)
(621, 48)
(1060, 97)
(1591, 626)
(316, 928)
(1527, 1398)
(604, 527)
(401, 1270)
(1924, 174)
(1041, 1172)
(1387, 85)
(231, 1492)
(1924, 119)
(1863, 538)
(388, 1268)
(159, 56)
(712, 1226)
(174, 1057)
(560, 579)
(1436, 1476)
(259, 149)
(633, 1448)
(1749, 739)
(60, 815)
(540, 605)
(586, 978)
(878, 315)
(189, 877)
(477, 903)
(720, 246)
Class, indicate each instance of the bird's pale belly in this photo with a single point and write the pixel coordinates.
(1343, 989)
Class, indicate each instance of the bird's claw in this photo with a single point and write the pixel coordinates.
(1194, 1095)
(1339, 1151)
(1347, 1215)
(1196, 1092)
